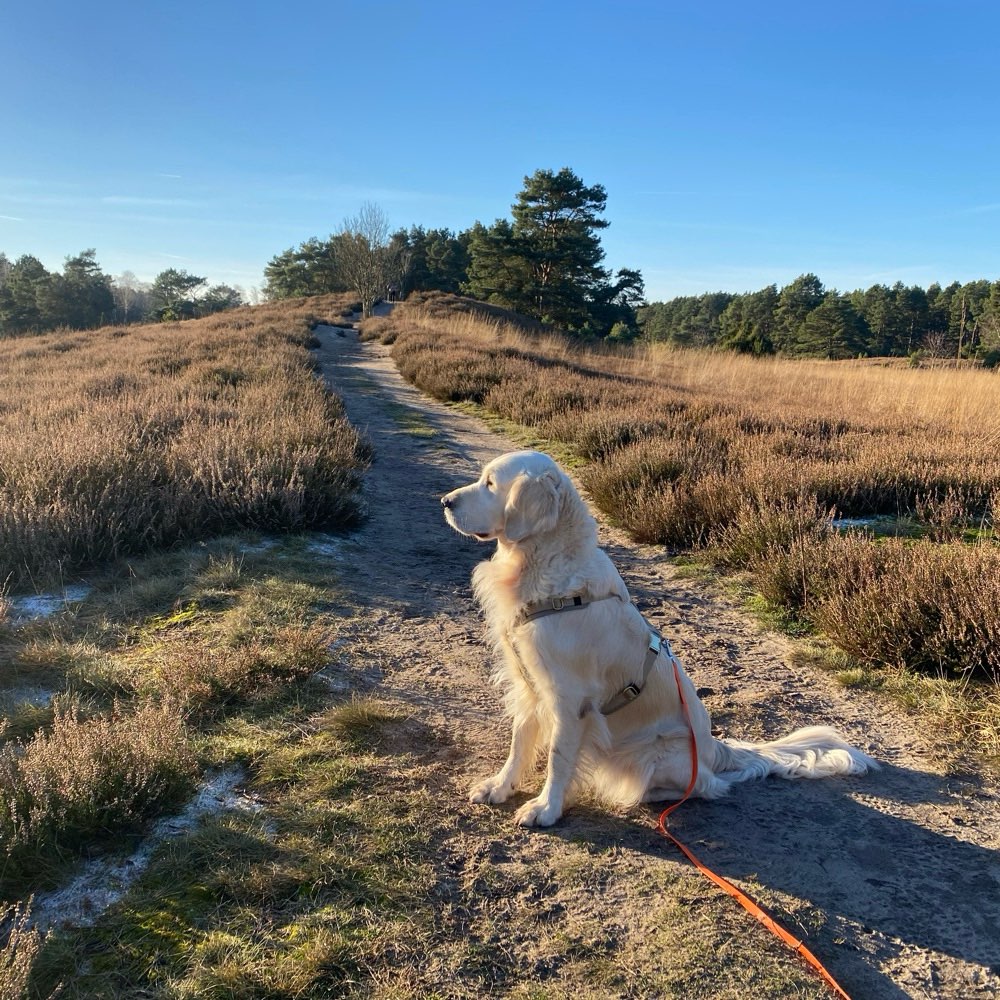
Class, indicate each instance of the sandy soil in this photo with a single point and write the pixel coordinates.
(903, 865)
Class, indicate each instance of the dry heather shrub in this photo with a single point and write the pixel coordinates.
(533, 394)
(203, 679)
(599, 433)
(86, 779)
(926, 606)
(114, 445)
(442, 307)
(380, 328)
(18, 955)
(679, 514)
(444, 367)
(946, 514)
(674, 491)
(779, 540)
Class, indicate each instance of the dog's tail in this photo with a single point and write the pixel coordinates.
(813, 752)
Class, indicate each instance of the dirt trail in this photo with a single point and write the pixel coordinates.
(903, 865)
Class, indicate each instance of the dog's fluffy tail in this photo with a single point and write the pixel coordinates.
(813, 752)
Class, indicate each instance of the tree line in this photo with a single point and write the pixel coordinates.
(807, 320)
(546, 261)
(82, 296)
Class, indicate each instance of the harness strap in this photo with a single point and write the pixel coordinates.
(553, 605)
(632, 691)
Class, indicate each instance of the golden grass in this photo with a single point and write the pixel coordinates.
(121, 440)
(18, 955)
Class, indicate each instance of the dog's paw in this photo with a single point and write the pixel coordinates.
(537, 812)
(492, 790)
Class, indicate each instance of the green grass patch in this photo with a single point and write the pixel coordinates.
(302, 898)
(412, 421)
(958, 714)
(775, 617)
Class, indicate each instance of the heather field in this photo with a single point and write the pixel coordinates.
(235, 759)
(120, 441)
(163, 475)
(752, 464)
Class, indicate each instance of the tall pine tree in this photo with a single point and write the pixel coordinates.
(548, 261)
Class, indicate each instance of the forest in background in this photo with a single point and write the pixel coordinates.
(546, 262)
(82, 297)
(804, 319)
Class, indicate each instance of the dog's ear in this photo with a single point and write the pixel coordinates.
(532, 507)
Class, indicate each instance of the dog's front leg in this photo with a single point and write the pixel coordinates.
(567, 738)
(523, 740)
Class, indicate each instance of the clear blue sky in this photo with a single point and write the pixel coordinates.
(740, 143)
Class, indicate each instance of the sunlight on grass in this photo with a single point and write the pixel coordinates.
(126, 441)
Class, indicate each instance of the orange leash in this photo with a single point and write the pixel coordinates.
(745, 901)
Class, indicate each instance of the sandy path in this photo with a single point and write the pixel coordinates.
(904, 865)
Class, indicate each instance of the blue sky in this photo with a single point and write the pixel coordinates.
(740, 144)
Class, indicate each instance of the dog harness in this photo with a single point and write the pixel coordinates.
(656, 644)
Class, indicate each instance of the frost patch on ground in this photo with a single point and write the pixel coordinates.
(326, 545)
(26, 694)
(103, 882)
(264, 545)
(34, 606)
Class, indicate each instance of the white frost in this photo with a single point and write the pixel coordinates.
(103, 882)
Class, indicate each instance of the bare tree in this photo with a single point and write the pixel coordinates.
(130, 295)
(935, 343)
(365, 256)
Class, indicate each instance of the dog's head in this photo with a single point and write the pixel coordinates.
(516, 497)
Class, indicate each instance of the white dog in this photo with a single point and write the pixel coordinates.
(583, 674)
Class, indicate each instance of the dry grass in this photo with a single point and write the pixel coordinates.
(18, 955)
(749, 459)
(118, 441)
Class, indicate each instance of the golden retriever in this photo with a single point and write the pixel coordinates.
(583, 674)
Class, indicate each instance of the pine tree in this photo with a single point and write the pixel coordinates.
(795, 303)
(747, 323)
(557, 219)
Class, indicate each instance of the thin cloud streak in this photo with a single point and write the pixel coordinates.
(120, 199)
